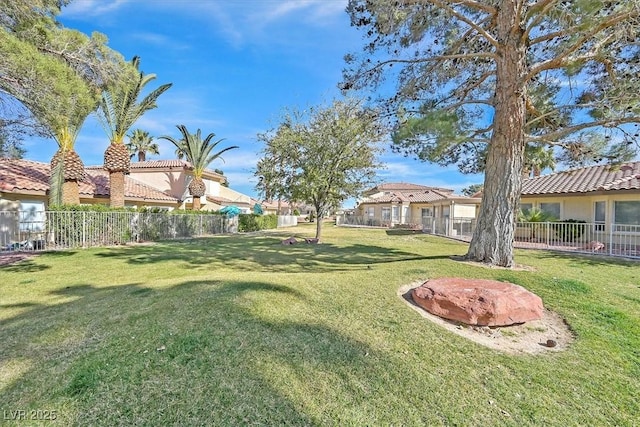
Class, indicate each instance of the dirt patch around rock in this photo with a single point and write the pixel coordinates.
(517, 267)
(549, 334)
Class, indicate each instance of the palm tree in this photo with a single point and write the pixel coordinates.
(536, 159)
(119, 110)
(67, 169)
(140, 143)
(198, 152)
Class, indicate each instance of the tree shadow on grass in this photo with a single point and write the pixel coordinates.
(126, 353)
(263, 252)
(584, 259)
(24, 266)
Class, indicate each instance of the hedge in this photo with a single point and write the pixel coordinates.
(253, 222)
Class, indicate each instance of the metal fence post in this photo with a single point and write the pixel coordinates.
(611, 227)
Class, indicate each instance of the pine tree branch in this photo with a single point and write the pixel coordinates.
(467, 3)
(561, 59)
(474, 5)
(555, 136)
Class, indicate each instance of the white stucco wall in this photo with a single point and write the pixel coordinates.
(172, 182)
(464, 211)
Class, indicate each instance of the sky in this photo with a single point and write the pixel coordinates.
(235, 66)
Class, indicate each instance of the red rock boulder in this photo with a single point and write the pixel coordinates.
(478, 302)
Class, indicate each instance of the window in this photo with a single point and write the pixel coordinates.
(371, 211)
(31, 216)
(386, 214)
(427, 212)
(526, 207)
(627, 213)
(405, 213)
(599, 215)
(552, 209)
(395, 212)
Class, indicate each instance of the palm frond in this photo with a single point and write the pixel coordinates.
(120, 107)
(196, 150)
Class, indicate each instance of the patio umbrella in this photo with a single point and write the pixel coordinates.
(257, 209)
(230, 211)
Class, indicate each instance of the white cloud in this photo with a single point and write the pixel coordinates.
(82, 8)
(162, 40)
(311, 8)
(247, 21)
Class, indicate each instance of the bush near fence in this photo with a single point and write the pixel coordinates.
(253, 222)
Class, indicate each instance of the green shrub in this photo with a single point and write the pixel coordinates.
(253, 222)
(535, 215)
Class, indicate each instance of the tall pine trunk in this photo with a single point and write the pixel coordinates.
(493, 237)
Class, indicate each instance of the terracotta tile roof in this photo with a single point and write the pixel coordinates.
(162, 164)
(23, 175)
(19, 176)
(585, 180)
(425, 196)
(403, 187)
(223, 201)
(152, 164)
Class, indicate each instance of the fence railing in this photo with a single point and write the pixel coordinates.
(585, 237)
(287, 221)
(615, 239)
(34, 231)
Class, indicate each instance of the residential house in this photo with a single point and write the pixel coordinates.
(435, 209)
(24, 186)
(24, 193)
(607, 195)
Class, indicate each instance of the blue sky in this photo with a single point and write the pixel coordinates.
(235, 65)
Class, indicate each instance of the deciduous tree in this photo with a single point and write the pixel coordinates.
(476, 81)
(322, 157)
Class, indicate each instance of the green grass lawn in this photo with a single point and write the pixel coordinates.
(240, 330)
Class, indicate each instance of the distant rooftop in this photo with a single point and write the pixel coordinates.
(404, 187)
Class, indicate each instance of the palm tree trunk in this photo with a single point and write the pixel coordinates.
(116, 189)
(196, 203)
(70, 193)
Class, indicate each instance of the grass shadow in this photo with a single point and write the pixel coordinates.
(265, 252)
(112, 344)
(25, 266)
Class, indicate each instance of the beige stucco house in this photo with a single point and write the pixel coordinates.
(24, 185)
(390, 204)
(606, 195)
(24, 189)
(173, 177)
